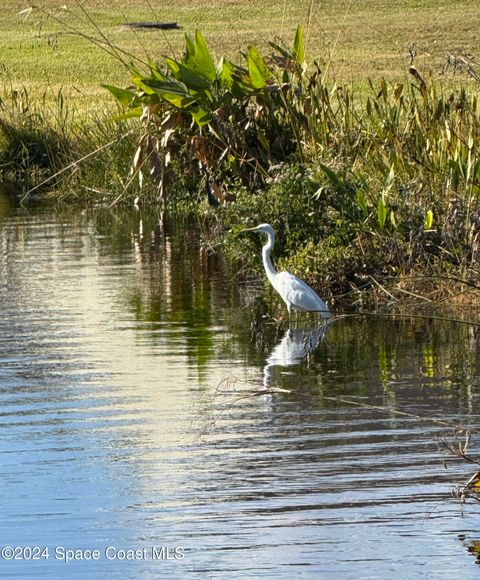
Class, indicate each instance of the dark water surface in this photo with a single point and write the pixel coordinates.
(132, 420)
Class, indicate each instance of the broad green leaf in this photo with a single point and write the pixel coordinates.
(192, 80)
(123, 96)
(298, 46)
(131, 114)
(190, 48)
(428, 222)
(381, 211)
(141, 83)
(173, 65)
(198, 58)
(204, 57)
(225, 70)
(201, 116)
(153, 66)
(167, 86)
(281, 50)
(257, 69)
(179, 101)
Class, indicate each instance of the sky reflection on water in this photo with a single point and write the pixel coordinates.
(132, 416)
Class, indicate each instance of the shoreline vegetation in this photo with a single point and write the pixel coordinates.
(373, 186)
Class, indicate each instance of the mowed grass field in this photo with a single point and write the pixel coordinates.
(351, 40)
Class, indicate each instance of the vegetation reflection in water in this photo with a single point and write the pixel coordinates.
(297, 460)
(183, 285)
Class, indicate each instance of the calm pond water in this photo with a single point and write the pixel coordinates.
(133, 422)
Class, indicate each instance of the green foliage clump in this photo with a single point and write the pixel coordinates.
(45, 148)
(390, 187)
(409, 160)
(388, 184)
(315, 237)
(228, 121)
(32, 146)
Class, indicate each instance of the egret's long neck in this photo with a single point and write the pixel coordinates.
(267, 262)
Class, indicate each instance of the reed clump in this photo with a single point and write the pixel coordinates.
(48, 149)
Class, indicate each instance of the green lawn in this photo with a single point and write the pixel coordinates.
(352, 40)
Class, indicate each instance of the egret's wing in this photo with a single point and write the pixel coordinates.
(299, 294)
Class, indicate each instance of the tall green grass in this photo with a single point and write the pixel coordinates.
(47, 148)
(407, 156)
(33, 137)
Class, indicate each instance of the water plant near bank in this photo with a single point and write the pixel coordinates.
(358, 185)
(226, 122)
(388, 183)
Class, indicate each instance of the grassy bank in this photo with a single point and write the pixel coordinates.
(360, 188)
(352, 41)
(365, 181)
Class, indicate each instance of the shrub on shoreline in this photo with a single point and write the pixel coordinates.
(380, 185)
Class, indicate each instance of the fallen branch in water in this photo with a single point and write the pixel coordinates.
(468, 491)
(459, 448)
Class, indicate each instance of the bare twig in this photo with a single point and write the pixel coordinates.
(382, 288)
(461, 63)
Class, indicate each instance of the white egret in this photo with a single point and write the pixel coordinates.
(296, 294)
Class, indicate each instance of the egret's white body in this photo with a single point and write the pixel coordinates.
(296, 294)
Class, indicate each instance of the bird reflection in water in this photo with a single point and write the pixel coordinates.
(296, 345)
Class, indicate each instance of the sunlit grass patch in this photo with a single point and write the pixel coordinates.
(352, 41)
